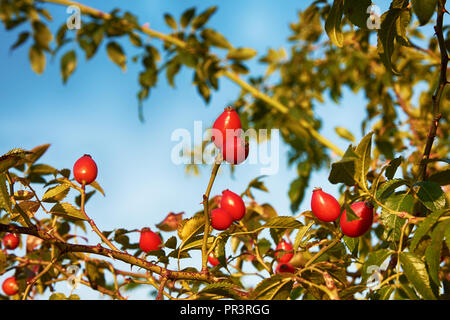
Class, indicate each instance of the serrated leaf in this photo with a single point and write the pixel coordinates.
(284, 222)
(363, 150)
(416, 272)
(351, 243)
(190, 227)
(386, 36)
(374, 259)
(388, 187)
(5, 201)
(431, 195)
(116, 54)
(424, 9)
(302, 231)
(28, 207)
(433, 251)
(56, 194)
(277, 287)
(224, 289)
(424, 227)
(11, 159)
(333, 23)
(442, 178)
(42, 34)
(391, 222)
(68, 211)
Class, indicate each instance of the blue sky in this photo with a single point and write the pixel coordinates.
(96, 113)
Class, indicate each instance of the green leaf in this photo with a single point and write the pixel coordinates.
(116, 54)
(433, 251)
(431, 195)
(23, 36)
(171, 243)
(277, 287)
(442, 178)
(424, 9)
(224, 289)
(42, 169)
(363, 150)
(200, 20)
(5, 200)
(392, 167)
(388, 187)
(352, 244)
(219, 252)
(97, 187)
(186, 17)
(68, 211)
(37, 59)
(344, 170)
(333, 23)
(425, 226)
(57, 296)
(284, 222)
(393, 223)
(241, 53)
(356, 12)
(190, 227)
(386, 36)
(95, 274)
(42, 35)
(56, 194)
(68, 64)
(215, 39)
(301, 234)
(344, 133)
(416, 272)
(375, 259)
(170, 21)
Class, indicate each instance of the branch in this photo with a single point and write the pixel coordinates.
(439, 90)
(230, 75)
(102, 251)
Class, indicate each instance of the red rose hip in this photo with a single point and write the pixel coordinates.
(324, 206)
(228, 122)
(233, 203)
(10, 286)
(356, 228)
(221, 219)
(213, 260)
(10, 241)
(149, 240)
(235, 151)
(282, 256)
(85, 170)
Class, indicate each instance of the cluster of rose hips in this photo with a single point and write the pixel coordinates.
(327, 209)
(10, 286)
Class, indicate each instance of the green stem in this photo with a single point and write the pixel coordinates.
(214, 171)
(91, 222)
